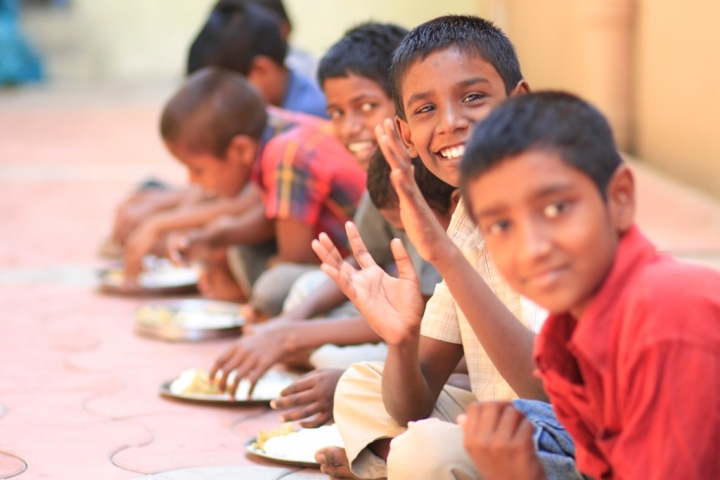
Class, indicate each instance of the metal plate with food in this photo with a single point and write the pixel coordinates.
(194, 385)
(189, 320)
(160, 277)
(294, 447)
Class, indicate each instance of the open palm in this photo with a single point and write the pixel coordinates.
(392, 306)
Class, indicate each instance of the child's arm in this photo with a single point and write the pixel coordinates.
(508, 343)
(189, 216)
(416, 367)
(264, 345)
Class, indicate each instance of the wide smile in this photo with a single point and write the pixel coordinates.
(453, 152)
(362, 146)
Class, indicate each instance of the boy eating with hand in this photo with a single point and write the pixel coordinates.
(630, 354)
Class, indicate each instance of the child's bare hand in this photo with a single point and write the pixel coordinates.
(259, 348)
(188, 247)
(392, 306)
(419, 222)
(499, 440)
(139, 244)
(313, 394)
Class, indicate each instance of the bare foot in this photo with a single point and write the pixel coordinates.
(334, 463)
(216, 282)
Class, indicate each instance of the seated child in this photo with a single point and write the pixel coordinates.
(630, 355)
(448, 74)
(295, 185)
(297, 60)
(229, 40)
(244, 36)
(333, 344)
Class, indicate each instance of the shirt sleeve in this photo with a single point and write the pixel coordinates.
(440, 320)
(374, 231)
(671, 414)
(295, 188)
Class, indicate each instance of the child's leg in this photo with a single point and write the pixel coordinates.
(272, 287)
(362, 419)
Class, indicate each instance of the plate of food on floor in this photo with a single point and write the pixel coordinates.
(294, 446)
(194, 385)
(159, 277)
(189, 320)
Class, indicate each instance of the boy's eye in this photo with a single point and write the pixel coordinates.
(474, 97)
(555, 209)
(367, 106)
(424, 109)
(335, 114)
(498, 227)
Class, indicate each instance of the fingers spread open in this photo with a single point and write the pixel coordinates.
(359, 249)
(406, 271)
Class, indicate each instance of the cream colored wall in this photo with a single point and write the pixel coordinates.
(319, 23)
(141, 39)
(671, 95)
(676, 89)
(145, 39)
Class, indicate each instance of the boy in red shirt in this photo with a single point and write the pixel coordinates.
(630, 355)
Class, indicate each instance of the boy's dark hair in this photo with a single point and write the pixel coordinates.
(212, 107)
(551, 121)
(437, 193)
(278, 7)
(236, 32)
(470, 35)
(365, 51)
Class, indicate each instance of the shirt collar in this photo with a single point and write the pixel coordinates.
(590, 335)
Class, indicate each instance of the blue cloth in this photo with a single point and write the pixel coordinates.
(303, 95)
(553, 444)
(18, 62)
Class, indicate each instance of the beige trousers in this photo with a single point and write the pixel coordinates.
(429, 449)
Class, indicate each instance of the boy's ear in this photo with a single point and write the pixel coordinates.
(403, 130)
(521, 88)
(242, 151)
(621, 198)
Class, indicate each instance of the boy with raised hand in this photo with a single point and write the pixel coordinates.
(630, 354)
(354, 74)
(334, 343)
(447, 75)
(295, 184)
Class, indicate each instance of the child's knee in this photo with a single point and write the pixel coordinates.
(443, 456)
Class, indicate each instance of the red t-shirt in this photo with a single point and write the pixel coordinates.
(636, 381)
(306, 174)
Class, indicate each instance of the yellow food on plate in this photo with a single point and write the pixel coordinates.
(265, 435)
(155, 315)
(200, 384)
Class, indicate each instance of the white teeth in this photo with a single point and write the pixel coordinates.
(359, 146)
(453, 152)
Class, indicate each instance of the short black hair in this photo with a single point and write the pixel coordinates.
(470, 35)
(278, 7)
(365, 51)
(236, 32)
(437, 193)
(212, 106)
(552, 121)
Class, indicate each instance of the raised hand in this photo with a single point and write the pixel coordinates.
(313, 395)
(499, 440)
(419, 222)
(392, 306)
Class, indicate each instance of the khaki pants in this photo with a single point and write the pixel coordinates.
(428, 449)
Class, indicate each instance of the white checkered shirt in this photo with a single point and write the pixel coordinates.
(443, 319)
